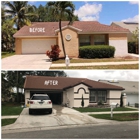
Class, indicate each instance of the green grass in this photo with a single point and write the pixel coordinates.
(11, 109)
(94, 109)
(118, 117)
(7, 54)
(131, 66)
(7, 121)
(81, 60)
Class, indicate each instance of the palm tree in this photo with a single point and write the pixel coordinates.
(19, 12)
(59, 9)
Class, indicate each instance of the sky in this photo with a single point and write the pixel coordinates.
(103, 11)
(122, 75)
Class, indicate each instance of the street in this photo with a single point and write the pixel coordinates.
(120, 130)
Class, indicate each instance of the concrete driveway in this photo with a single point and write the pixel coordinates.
(61, 116)
(26, 62)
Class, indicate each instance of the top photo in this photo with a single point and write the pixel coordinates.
(48, 35)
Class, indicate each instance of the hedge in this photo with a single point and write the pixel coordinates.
(96, 51)
(133, 47)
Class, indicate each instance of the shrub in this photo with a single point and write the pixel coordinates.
(54, 53)
(133, 47)
(82, 102)
(96, 51)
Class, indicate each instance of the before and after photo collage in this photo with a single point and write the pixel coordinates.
(69, 69)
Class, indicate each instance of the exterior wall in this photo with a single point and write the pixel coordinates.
(114, 96)
(27, 96)
(18, 42)
(18, 47)
(71, 46)
(78, 92)
(119, 41)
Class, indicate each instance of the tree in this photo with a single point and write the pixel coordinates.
(82, 102)
(136, 39)
(59, 9)
(19, 12)
(121, 100)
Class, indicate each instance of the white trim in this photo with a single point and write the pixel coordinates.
(69, 26)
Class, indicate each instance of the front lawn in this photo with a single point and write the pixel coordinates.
(7, 121)
(118, 117)
(125, 66)
(11, 109)
(7, 54)
(94, 109)
(81, 60)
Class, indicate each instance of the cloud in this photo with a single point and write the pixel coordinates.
(132, 75)
(89, 12)
(133, 19)
(134, 2)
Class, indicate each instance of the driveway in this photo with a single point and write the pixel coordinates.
(22, 62)
(61, 116)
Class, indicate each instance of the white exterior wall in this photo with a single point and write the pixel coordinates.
(80, 90)
(114, 96)
(120, 46)
(27, 95)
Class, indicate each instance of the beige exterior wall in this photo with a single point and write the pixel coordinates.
(114, 96)
(71, 46)
(80, 90)
(27, 96)
(18, 48)
(119, 41)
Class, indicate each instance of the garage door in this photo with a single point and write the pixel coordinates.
(132, 99)
(37, 46)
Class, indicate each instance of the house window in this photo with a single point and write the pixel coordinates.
(101, 96)
(84, 40)
(93, 96)
(97, 95)
(99, 40)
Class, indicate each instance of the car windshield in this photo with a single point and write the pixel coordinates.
(40, 98)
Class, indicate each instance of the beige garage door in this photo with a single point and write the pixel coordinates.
(37, 46)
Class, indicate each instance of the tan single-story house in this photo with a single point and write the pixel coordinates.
(131, 26)
(67, 90)
(38, 38)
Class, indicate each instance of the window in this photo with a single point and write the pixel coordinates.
(99, 40)
(93, 96)
(84, 40)
(96, 96)
(102, 96)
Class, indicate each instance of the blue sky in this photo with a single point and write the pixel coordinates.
(104, 11)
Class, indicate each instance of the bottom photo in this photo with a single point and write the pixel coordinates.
(70, 104)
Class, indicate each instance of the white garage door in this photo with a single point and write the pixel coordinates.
(132, 99)
(37, 46)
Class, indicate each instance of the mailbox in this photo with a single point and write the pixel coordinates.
(114, 105)
(67, 61)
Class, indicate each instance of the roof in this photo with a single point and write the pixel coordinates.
(128, 25)
(62, 83)
(50, 28)
(130, 86)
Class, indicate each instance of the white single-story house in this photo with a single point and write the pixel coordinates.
(67, 90)
(131, 26)
(38, 38)
(131, 90)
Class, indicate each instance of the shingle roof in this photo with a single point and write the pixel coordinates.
(37, 82)
(85, 26)
(128, 25)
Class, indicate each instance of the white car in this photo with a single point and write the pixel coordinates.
(40, 102)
